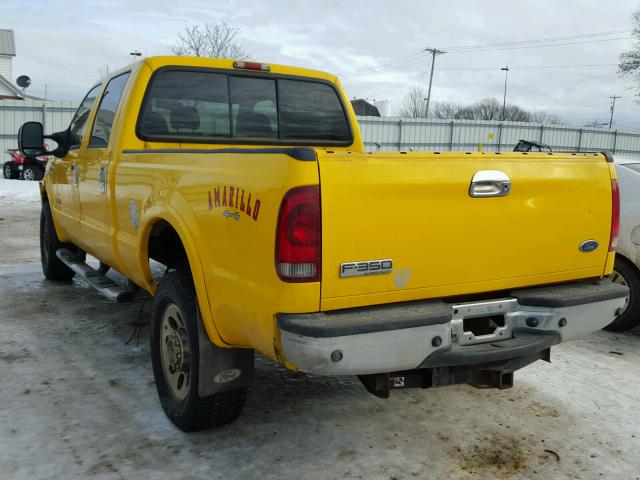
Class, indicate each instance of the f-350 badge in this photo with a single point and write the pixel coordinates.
(366, 267)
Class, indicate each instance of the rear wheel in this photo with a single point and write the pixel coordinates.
(52, 266)
(629, 315)
(175, 359)
(32, 173)
(10, 170)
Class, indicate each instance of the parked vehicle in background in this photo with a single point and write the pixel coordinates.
(531, 146)
(281, 234)
(626, 270)
(24, 167)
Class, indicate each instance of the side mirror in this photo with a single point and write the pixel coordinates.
(31, 139)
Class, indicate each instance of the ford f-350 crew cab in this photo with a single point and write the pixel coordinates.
(282, 235)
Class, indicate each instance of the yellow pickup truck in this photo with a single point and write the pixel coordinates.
(281, 235)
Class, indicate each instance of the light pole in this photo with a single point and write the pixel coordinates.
(504, 98)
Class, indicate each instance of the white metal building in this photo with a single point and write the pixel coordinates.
(7, 52)
(16, 107)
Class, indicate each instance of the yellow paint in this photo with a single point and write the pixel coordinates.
(411, 207)
(415, 209)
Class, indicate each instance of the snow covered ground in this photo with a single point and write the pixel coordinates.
(77, 400)
(18, 191)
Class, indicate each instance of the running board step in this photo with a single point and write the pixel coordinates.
(103, 284)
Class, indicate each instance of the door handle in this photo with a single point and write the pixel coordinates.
(102, 181)
(74, 168)
(490, 183)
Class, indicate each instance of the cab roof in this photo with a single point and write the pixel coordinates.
(228, 64)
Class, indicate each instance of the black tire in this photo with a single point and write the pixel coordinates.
(32, 172)
(52, 266)
(191, 412)
(10, 171)
(630, 316)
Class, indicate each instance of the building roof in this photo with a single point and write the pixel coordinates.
(363, 108)
(7, 43)
(9, 91)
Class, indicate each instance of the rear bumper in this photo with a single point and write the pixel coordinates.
(427, 334)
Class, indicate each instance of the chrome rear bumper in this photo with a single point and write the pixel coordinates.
(426, 334)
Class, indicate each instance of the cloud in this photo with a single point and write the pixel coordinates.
(374, 46)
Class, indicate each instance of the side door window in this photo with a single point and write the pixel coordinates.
(107, 111)
(79, 121)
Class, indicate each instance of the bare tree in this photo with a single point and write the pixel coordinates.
(214, 41)
(544, 117)
(446, 110)
(491, 109)
(415, 103)
(514, 113)
(630, 60)
(486, 109)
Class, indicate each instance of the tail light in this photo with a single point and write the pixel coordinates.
(299, 236)
(615, 215)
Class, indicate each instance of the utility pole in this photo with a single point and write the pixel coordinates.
(504, 98)
(434, 52)
(613, 106)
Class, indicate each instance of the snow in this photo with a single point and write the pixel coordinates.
(18, 191)
(77, 400)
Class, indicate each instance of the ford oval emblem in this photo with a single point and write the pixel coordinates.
(588, 246)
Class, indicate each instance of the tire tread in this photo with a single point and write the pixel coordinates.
(194, 413)
(631, 317)
(53, 268)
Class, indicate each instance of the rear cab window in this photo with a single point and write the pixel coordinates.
(213, 106)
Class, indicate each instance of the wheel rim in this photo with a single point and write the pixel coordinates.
(7, 171)
(28, 174)
(617, 277)
(175, 352)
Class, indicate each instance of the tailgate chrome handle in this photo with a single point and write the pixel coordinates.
(490, 183)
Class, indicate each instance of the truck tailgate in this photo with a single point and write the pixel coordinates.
(416, 210)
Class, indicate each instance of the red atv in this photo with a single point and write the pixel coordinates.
(24, 167)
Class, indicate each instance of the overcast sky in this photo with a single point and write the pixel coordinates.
(373, 45)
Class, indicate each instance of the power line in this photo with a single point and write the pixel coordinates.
(545, 40)
(408, 57)
(473, 50)
(390, 66)
(417, 57)
(520, 67)
(409, 61)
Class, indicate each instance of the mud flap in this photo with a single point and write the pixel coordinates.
(222, 369)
